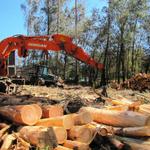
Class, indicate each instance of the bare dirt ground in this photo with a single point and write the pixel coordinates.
(84, 93)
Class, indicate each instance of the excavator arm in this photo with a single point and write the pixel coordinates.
(56, 42)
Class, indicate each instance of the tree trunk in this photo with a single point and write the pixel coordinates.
(103, 75)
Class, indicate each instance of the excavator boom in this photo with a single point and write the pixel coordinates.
(56, 42)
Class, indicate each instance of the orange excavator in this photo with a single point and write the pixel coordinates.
(23, 44)
(56, 42)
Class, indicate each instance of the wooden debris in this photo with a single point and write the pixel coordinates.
(3, 130)
(118, 118)
(7, 142)
(139, 82)
(23, 114)
(39, 136)
(65, 121)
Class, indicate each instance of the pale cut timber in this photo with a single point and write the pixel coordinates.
(76, 145)
(82, 133)
(61, 134)
(136, 144)
(22, 114)
(118, 144)
(133, 131)
(65, 121)
(2, 131)
(59, 147)
(39, 136)
(82, 118)
(145, 109)
(52, 111)
(7, 142)
(118, 118)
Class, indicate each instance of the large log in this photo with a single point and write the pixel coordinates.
(61, 134)
(52, 111)
(65, 121)
(82, 133)
(118, 118)
(133, 131)
(22, 114)
(39, 136)
(76, 145)
(82, 118)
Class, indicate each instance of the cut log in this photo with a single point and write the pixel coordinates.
(133, 131)
(82, 118)
(145, 109)
(103, 129)
(39, 136)
(22, 114)
(117, 143)
(65, 121)
(82, 134)
(7, 142)
(76, 145)
(136, 144)
(52, 111)
(59, 147)
(61, 134)
(118, 118)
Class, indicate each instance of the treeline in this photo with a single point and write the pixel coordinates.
(118, 35)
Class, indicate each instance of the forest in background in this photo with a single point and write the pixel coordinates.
(118, 35)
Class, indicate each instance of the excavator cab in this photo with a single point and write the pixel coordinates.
(42, 76)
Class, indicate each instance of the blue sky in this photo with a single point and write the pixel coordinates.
(12, 18)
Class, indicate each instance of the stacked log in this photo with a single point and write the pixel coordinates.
(139, 82)
(36, 125)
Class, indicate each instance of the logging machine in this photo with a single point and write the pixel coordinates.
(56, 42)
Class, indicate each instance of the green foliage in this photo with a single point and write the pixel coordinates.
(122, 28)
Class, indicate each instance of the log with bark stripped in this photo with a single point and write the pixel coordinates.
(65, 121)
(22, 114)
(118, 118)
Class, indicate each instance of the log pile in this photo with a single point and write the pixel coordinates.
(121, 125)
(139, 82)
